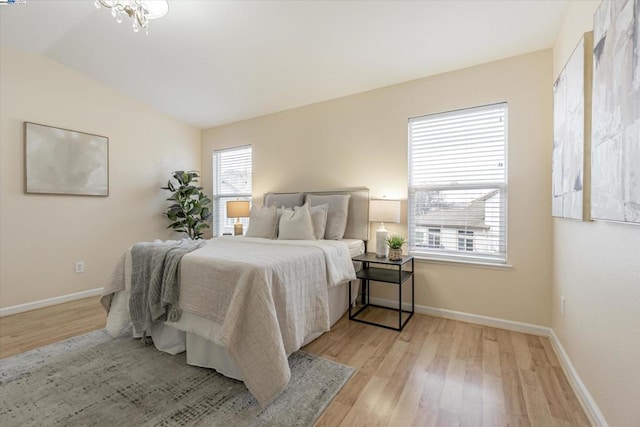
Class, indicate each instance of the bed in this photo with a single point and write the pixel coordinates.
(247, 303)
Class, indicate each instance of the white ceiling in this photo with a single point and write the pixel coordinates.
(212, 62)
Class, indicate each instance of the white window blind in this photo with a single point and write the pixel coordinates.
(231, 181)
(458, 183)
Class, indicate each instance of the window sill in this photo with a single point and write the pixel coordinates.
(462, 263)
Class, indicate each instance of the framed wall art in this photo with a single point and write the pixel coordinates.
(572, 134)
(61, 161)
(615, 150)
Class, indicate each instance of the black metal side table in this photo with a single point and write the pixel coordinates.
(396, 276)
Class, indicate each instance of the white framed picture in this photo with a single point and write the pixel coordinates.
(572, 134)
(615, 150)
(62, 161)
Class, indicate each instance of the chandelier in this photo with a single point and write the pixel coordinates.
(141, 11)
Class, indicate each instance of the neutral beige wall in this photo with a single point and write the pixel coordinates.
(597, 270)
(361, 140)
(42, 236)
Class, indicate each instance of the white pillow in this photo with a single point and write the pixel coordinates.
(262, 222)
(296, 224)
(337, 214)
(319, 219)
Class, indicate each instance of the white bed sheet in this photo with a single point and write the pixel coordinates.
(200, 337)
(356, 247)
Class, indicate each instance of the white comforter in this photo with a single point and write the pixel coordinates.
(267, 294)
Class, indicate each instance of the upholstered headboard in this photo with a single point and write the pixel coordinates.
(358, 217)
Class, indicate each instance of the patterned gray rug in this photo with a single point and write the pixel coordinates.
(94, 380)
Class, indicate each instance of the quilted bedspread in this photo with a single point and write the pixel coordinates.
(267, 294)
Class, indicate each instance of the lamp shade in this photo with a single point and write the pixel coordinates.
(238, 209)
(384, 210)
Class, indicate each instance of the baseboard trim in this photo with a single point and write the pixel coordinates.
(495, 322)
(15, 309)
(582, 393)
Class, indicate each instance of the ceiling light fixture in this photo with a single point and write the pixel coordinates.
(139, 10)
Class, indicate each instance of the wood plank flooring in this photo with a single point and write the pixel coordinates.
(437, 372)
(25, 331)
(440, 372)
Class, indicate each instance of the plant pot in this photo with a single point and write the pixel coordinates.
(395, 254)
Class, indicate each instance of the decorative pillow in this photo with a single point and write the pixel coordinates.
(289, 200)
(262, 222)
(337, 214)
(319, 219)
(296, 224)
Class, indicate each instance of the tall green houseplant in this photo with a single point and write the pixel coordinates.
(191, 207)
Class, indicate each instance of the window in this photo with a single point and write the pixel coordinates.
(465, 240)
(231, 181)
(458, 185)
(434, 238)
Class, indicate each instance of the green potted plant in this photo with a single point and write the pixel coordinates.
(191, 207)
(395, 244)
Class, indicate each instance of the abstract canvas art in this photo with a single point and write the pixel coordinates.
(571, 133)
(615, 155)
(61, 161)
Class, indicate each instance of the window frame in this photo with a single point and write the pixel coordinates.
(221, 222)
(465, 237)
(436, 234)
(467, 257)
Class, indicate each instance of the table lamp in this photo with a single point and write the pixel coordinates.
(237, 209)
(382, 211)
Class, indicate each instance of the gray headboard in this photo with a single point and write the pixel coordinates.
(358, 218)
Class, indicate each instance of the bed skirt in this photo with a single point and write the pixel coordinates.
(209, 354)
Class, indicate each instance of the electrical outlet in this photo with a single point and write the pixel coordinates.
(562, 305)
(79, 268)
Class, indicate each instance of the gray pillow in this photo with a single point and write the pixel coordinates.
(262, 222)
(296, 224)
(288, 200)
(336, 215)
(319, 219)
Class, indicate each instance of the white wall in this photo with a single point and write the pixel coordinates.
(361, 140)
(596, 267)
(41, 236)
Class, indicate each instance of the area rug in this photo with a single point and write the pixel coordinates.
(95, 380)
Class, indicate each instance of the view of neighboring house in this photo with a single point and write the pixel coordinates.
(461, 225)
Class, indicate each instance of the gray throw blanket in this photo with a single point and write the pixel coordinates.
(155, 281)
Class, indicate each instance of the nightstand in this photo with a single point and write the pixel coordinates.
(394, 273)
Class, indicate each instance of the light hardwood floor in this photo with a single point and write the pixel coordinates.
(437, 372)
(25, 331)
